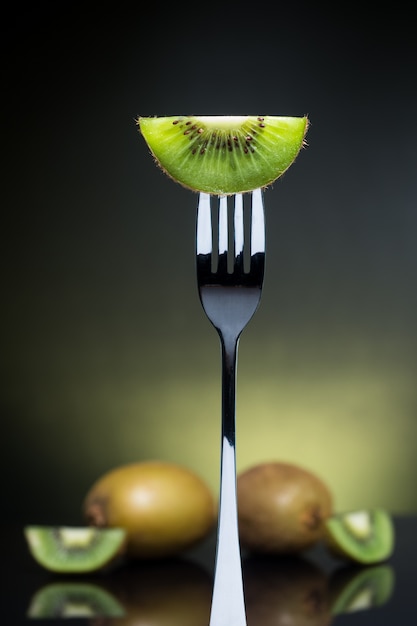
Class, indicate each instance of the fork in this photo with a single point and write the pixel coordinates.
(230, 275)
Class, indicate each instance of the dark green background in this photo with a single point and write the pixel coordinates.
(106, 356)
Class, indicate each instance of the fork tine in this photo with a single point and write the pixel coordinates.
(223, 236)
(258, 223)
(204, 236)
(223, 229)
(239, 232)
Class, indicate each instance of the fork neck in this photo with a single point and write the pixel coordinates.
(229, 346)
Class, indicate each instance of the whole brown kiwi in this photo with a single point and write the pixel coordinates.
(164, 507)
(281, 508)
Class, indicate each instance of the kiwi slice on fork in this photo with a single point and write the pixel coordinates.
(224, 155)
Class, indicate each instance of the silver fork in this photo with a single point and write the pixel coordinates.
(230, 278)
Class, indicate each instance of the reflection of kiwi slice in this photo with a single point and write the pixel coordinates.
(174, 592)
(285, 591)
(224, 154)
(72, 549)
(81, 600)
(361, 536)
(358, 589)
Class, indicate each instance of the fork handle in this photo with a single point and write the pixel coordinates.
(228, 604)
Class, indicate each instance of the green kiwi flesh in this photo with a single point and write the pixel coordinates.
(364, 537)
(224, 155)
(73, 600)
(355, 589)
(74, 549)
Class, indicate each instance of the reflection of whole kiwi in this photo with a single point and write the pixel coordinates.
(175, 592)
(281, 508)
(285, 591)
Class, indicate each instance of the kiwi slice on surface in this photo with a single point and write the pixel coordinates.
(364, 537)
(74, 600)
(74, 549)
(223, 155)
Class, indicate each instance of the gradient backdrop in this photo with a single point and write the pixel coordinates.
(106, 355)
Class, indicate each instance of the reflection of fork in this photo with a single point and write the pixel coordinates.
(230, 285)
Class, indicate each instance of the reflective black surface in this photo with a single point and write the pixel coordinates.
(311, 590)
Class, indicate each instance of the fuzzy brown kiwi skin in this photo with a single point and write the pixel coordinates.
(282, 508)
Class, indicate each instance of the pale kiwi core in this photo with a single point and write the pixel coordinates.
(224, 155)
(225, 122)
